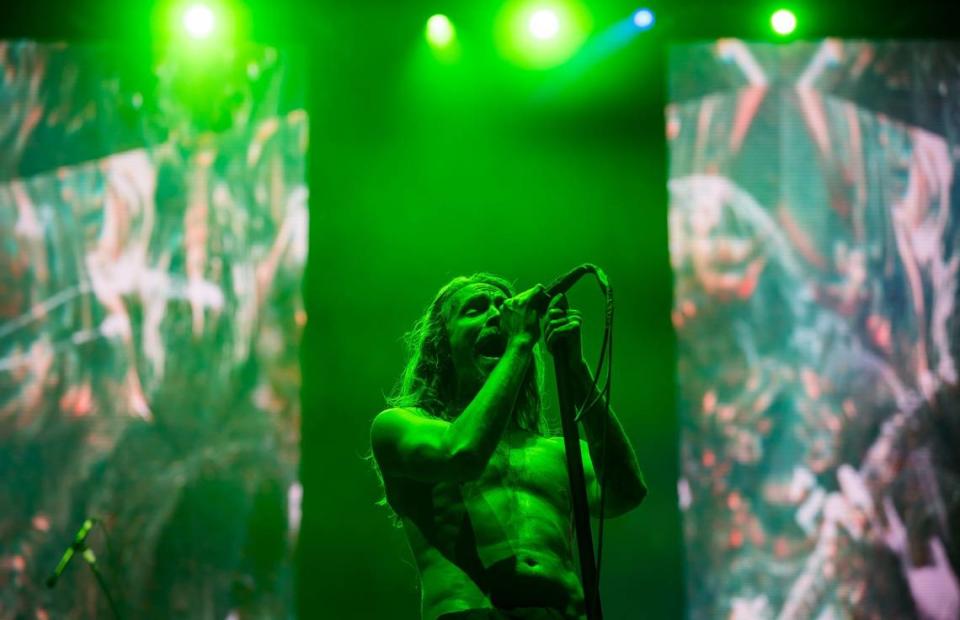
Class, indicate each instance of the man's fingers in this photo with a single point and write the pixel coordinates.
(559, 312)
(560, 328)
(559, 301)
(558, 323)
(530, 294)
(559, 336)
(562, 321)
(533, 292)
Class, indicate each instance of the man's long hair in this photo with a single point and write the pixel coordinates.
(429, 379)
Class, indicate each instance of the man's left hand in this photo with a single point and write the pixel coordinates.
(562, 331)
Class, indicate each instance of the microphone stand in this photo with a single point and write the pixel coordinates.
(578, 493)
(79, 546)
(91, 560)
(571, 443)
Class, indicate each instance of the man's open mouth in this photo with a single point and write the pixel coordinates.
(492, 346)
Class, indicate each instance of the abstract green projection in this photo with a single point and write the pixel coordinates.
(151, 252)
(814, 231)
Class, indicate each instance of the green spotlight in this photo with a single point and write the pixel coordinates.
(544, 24)
(440, 32)
(199, 21)
(783, 22)
(540, 34)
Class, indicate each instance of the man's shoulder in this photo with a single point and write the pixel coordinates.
(393, 415)
(392, 424)
(408, 441)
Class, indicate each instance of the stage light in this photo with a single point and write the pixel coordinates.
(643, 19)
(783, 22)
(540, 34)
(199, 21)
(544, 24)
(440, 31)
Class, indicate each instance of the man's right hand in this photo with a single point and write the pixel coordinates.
(520, 317)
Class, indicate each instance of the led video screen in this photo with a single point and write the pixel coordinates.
(153, 224)
(814, 242)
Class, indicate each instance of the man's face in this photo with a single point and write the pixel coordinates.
(473, 325)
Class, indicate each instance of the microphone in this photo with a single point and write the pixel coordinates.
(79, 542)
(565, 282)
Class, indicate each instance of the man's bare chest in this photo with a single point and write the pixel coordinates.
(525, 477)
(518, 505)
(523, 466)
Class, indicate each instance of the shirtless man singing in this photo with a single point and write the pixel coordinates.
(479, 484)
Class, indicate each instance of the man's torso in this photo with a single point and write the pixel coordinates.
(503, 540)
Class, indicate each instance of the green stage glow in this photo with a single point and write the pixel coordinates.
(199, 28)
(540, 34)
(544, 24)
(783, 22)
(440, 31)
(199, 21)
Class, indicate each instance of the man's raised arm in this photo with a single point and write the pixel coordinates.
(611, 455)
(619, 469)
(424, 448)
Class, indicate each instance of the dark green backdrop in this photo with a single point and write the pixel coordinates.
(420, 172)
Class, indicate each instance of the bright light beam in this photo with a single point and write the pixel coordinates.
(199, 21)
(783, 22)
(594, 51)
(440, 32)
(541, 34)
(643, 19)
(544, 24)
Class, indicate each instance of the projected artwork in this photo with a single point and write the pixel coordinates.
(815, 244)
(152, 240)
